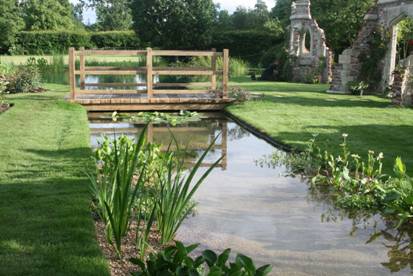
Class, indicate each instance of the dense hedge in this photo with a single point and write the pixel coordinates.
(249, 45)
(53, 42)
(115, 39)
(49, 42)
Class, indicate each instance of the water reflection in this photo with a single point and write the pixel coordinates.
(193, 137)
(397, 241)
(273, 217)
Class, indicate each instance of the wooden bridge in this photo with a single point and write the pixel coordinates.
(150, 94)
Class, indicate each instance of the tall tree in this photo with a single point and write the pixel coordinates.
(48, 15)
(180, 24)
(113, 15)
(10, 24)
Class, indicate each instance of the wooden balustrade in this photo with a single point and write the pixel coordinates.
(153, 89)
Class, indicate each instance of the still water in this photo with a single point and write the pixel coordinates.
(259, 211)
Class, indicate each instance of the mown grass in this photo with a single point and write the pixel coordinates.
(291, 113)
(46, 225)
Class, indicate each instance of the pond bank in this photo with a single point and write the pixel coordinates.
(290, 113)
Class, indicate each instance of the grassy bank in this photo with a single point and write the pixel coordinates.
(291, 113)
(46, 226)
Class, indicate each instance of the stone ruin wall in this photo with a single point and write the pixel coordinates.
(315, 62)
(348, 67)
(402, 88)
(386, 14)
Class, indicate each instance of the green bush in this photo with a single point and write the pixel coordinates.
(26, 79)
(50, 42)
(249, 45)
(115, 39)
(177, 260)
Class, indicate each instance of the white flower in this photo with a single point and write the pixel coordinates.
(345, 135)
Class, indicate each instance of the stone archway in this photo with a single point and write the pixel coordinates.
(392, 13)
(311, 56)
(386, 14)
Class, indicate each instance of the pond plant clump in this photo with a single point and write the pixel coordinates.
(141, 195)
(355, 184)
(172, 119)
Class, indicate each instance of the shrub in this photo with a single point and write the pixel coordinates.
(115, 39)
(176, 260)
(278, 63)
(239, 94)
(3, 85)
(249, 45)
(26, 79)
(50, 42)
(357, 88)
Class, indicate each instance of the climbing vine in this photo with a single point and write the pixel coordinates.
(371, 59)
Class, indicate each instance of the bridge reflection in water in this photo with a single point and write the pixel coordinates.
(193, 137)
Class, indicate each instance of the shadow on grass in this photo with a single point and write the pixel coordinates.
(326, 101)
(46, 226)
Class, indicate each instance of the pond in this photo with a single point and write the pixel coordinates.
(263, 213)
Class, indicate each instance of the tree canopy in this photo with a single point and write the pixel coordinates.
(10, 23)
(48, 15)
(179, 24)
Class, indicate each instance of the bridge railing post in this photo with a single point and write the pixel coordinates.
(225, 74)
(72, 77)
(82, 67)
(149, 72)
(214, 70)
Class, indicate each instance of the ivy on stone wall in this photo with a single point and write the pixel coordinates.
(371, 60)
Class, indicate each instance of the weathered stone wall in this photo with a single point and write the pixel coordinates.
(385, 15)
(313, 62)
(407, 83)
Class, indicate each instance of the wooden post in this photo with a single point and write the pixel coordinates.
(214, 70)
(72, 77)
(225, 72)
(82, 67)
(149, 72)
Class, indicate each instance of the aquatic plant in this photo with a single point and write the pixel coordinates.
(116, 189)
(172, 119)
(177, 260)
(357, 183)
(177, 187)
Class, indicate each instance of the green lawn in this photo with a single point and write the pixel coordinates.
(46, 226)
(291, 113)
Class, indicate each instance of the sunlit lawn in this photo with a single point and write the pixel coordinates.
(291, 113)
